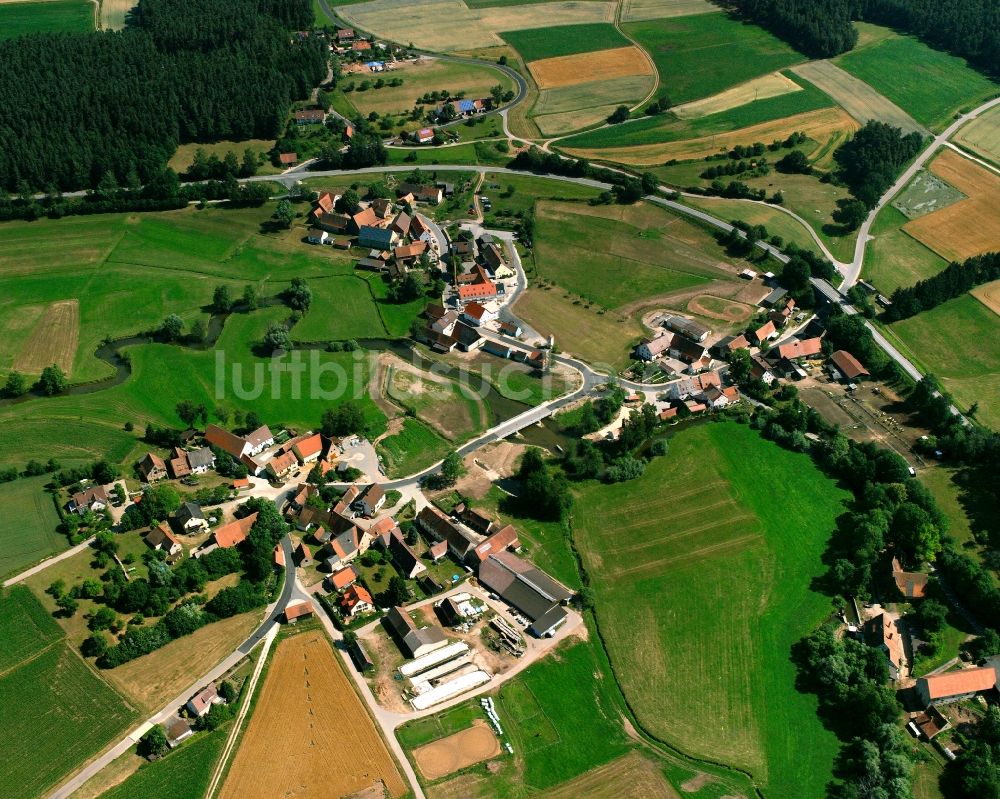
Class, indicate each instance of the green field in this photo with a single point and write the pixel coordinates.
(415, 447)
(623, 254)
(931, 86)
(776, 222)
(27, 525)
(667, 127)
(570, 108)
(957, 343)
(183, 774)
(703, 587)
(423, 731)
(469, 79)
(49, 16)
(895, 258)
(701, 55)
(57, 712)
(536, 43)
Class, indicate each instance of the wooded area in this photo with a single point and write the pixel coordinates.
(78, 106)
(822, 28)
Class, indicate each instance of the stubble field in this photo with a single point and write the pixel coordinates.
(703, 588)
(53, 339)
(982, 136)
(311, 726)
(639, 10)
(968, 227)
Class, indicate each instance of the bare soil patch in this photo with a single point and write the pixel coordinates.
(306, 705)
(53, 341)
(448, 755)
(602, 65)
(697, 782)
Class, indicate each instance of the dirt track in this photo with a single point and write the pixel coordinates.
(447, 755)
(311, 732)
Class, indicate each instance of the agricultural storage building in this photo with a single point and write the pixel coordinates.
(412, 640)
(528, 589)
(849, 366)
(955, 685)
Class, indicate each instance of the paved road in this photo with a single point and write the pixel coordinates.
(49, 562)
(274, 611)
(853, 272)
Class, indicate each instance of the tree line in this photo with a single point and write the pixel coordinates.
(77, 107)
(823, 28)
(954, 281)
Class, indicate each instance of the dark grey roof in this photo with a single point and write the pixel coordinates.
(552, 618)
(189, 510)
(400, 623)
(203, 456)
(405, 557)
(521, 584)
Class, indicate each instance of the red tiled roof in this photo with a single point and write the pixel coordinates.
(287, 158)
(849, 366)
(325, 201)
(224, 440)
(801, 349)
(366, 218)
(764, 331)
(354, 595)
(310, 446)
(229, 535)
(956, 683)
(298, 610)
(477, 291)
(343, 578)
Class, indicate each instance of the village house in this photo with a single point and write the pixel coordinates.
(343, 579)
(725, 347)
(229, 535)
(406, 560)
(371, 501)
(152, 468)
(311, 116)
(461, 542)
(474, 292)
(382, 208)
(161, 538)
(431, 195)
(366, 217)
(438, 550)
(511, 329)
(333, 223)
(774, 298)
(177, 730)
(654, 348)
(953, 686)
(401, 224)
(317, 236)
(806, 348)
(764, 333)
(495, 263)
(93, 499)
(325, 201)
(282, 464)
(881, 632)
(419, 231)
(200, 460)
(503, 539)
(424, 135)
(407, 254)
(288, 159)
(190, 519)
(684, 349)
(477, 314)
(355, 601)
(345, 34)
(412, 640)
(303, 555)
(479, 522)
(179, 465)
(308, 448)
(199, 704)
(344, 547)
(302, 609)
(912, 585)
(377, 237)
(252, 444)
(761, 370)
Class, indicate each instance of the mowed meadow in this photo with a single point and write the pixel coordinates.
(702, 570)
(45, 16)
(57, 712)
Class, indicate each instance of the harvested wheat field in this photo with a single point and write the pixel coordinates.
(966, 228)
(630, 777)
(982, 135)
(543, 15)
(719, 308)
(640, 10)
(53, 341)
(447, 755)
(989, 295)
(818, 125)
(569, 70)
(114, 13)
(761, 88)
(859, 99)
(311, 730)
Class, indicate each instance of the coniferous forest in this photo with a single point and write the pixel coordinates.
(74, 107)
(822, 28)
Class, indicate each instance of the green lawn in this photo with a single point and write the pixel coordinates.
(701, 55)
(624, 254)
(667, 127)
(537, 43)
(702, 571)
(894, 258)
(343, 308)
(28, 521)
(51, 16)
(430, 728)
(474, 153)
(415, 447)
(931, 86)
(957, 342)
(57, 712)
(182, 774)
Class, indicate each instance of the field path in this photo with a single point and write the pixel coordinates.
(48, 562)
(622, 5)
